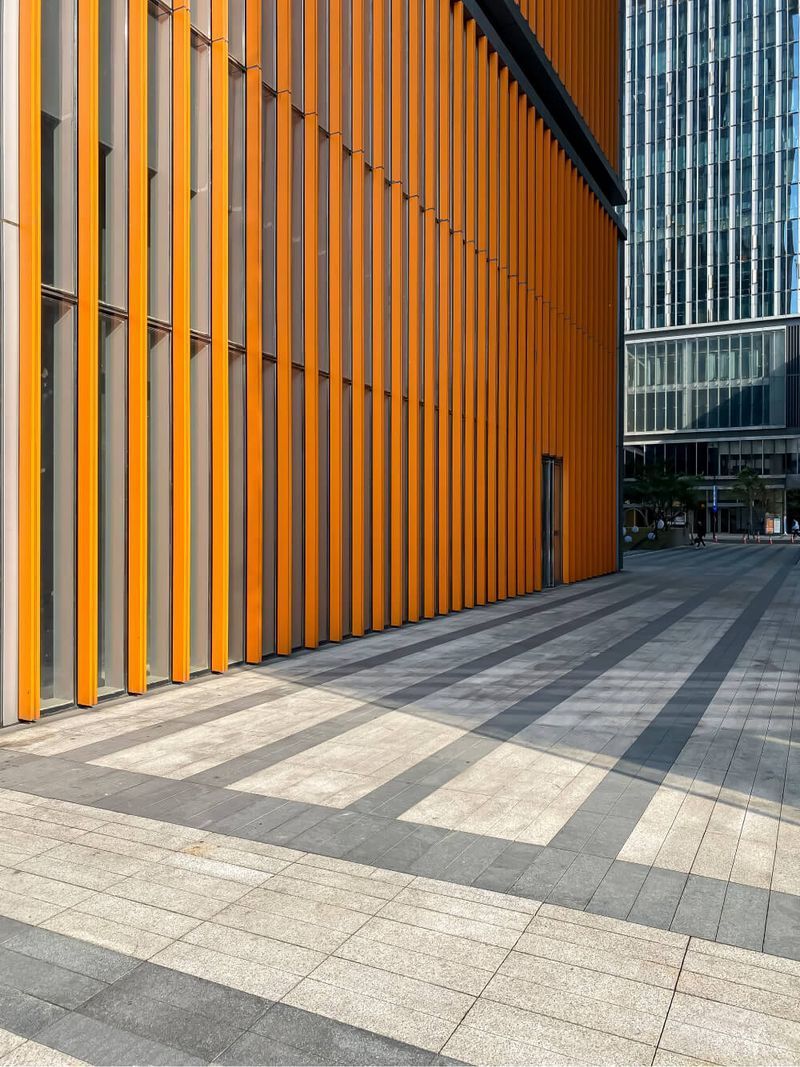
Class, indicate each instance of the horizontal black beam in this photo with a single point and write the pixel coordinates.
(509, 34)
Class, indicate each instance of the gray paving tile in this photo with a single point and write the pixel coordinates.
(24, 1014)
(259, 1050)
(744, 916)
(10, 928)
(580, 882)
(107, 1046)
(700, 907)
(616, 894)
(82, 957)
(45, 980)
(218, 1002)
(782, 934)
(194, 1033)
(410, 848)
(544, 874)
(333, 1041)
(658, 899)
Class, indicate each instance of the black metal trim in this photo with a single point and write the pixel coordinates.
(504, 26)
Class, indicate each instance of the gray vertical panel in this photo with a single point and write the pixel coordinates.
(324, 512)
(298, 513)
(270, 502)
(9, 323)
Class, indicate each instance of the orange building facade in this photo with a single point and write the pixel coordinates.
(318, 325)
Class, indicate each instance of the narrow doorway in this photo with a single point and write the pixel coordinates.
(551, 522)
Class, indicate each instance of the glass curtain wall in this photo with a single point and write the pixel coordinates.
(59, 406)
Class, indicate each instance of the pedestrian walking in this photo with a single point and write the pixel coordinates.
(699, 533)
(795, 531)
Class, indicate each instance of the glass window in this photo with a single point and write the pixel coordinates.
(236, 506)
(58, 144)
(236, 192)
(201, 16)
(159, 506)
(200, 181)
(159, 170)
(58, 504)
(236, 28)
(113, 178)
(200, 385)
(112, 482)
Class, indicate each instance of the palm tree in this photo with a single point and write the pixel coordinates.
(752, 488)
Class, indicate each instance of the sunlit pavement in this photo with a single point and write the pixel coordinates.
(562, 828)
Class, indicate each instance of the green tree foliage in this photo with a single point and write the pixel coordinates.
(663, 494)
(752, 488)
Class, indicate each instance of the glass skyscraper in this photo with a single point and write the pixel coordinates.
(711, 289)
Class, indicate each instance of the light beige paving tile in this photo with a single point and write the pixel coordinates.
(441, 922)
(25, 884)
(251, 976)
(412, 964)
(371, 1013)
(579, 981)
(160, 834)
(25, 842)
(73, 873)
(649, 833)
(120, 937)
(564, 1038)
(745, 956)
(478, 896)
(305, 908)
(111, 863)
(730, 1019)
(587, 1011)
(9, 1041)
(27, 909)
(626, 945)
(32, 1054)
(241, 856)
(258, 848)
(465, 909)
(749, 975)
(477, 1046)
(445, 946)
(323, 894)
(220, 889)
(358, 870)
(714, 1047)
(51, 812)
(715, 855)
(674, 1059)
(593, 958)
(156, 920)
(614, 926)
(281, 927)
(410, 992)
(168, 898)
(765, 1002)
(349, 882)
(546, 825)
(294, 959)
(195, 862)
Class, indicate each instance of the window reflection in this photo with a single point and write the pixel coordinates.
(58, 504)
(236, 506)
(159, 501)
(58, 144)
(112, 510)
(113, 179)
(236, 194)
(200, 178)
(158, 163)
(200, 384)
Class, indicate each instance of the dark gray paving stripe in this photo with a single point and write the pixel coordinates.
(170, 726)
(106, 1007)
(658, 746)
(401, 793)
(259, 759)
(611, 888)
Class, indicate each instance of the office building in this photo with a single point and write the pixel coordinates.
(712, 127)
(310, 324)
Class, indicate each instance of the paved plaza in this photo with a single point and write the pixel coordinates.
(563, 828)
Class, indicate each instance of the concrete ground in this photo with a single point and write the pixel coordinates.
(564, 828)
